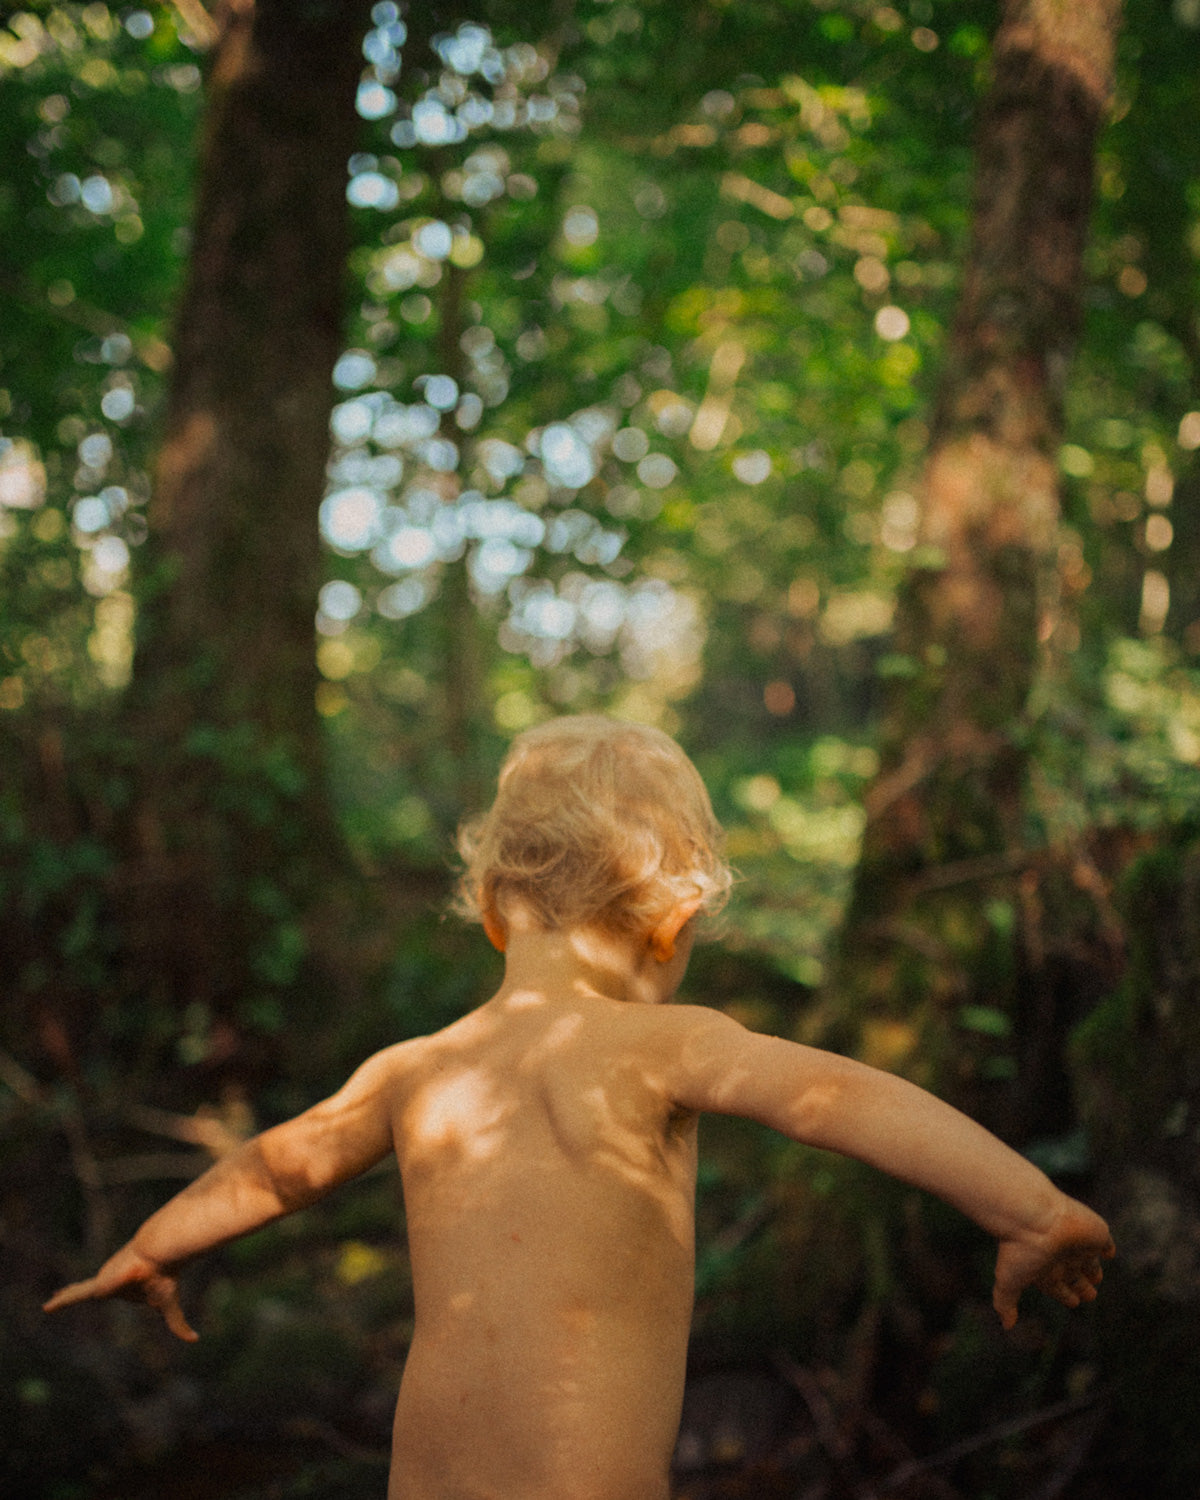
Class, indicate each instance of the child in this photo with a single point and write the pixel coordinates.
(547, 1144)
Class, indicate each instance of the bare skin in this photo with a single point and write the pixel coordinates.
(547, 1146)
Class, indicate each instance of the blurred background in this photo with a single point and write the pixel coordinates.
(817, 379)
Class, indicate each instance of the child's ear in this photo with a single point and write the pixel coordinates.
(493, 925)
(664, 935)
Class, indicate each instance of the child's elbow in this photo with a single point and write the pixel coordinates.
(817, 1114)
(294, 1176)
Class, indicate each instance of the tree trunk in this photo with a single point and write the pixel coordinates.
(232, 810)
(241, 470)
(947, 814)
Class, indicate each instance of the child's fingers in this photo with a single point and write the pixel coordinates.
(1005, 1303)
(1073, 1282)
(67, 1296)
(164, 1296)
(161, 1292)
(177, 1322)
(1071, 1276)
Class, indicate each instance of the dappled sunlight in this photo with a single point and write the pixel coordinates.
(515, 496)
(543, 1172)
(22, 476)
(462, 1113)
(513, 1103)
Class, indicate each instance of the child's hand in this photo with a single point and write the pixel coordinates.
(1063, 1262)
(131, 1275)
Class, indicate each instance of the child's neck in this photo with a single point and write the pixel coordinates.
(583, 963)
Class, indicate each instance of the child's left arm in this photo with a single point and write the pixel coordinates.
(1046, 1239)
(274, 1174)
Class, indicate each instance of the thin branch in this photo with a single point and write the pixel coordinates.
(970, 871)
(23, 1084)
(916, 766)
(215, 1132)
(1075, 1455)
(986, 1439)
(197, 27)
(894, 1447)
(83, 1159)
(78, 314)
(88, 1175)
(748, 1223)
(153, 1166)
(909, 935)
(152, 351)
(833, 1439)
(312, 1429)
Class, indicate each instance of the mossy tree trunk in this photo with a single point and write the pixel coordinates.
(232, 820)
(1137, 1067)
(945, 872)
(241, 468)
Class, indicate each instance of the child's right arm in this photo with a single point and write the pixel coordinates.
(274, 1174)
(1046, 1238)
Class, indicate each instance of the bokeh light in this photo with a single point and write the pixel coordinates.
(355, 369)
(891, 323)
(433, 239)
(350, 518)
(566, 457)
(630, 444)
(753, 467)
(581, 226)
(340, 599)
(657, 470)
(1189, 431)
(374, 101)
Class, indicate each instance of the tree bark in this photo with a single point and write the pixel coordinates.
(947, 814)
(232, 812)
(241, 469)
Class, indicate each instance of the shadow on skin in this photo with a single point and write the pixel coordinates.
(549, 1188)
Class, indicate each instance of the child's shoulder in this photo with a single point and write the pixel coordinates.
(672, 1032)
(392, 1066)
(683, 1019)
(409, 1058)
(684, 1029)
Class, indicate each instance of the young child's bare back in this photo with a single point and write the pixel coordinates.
(547, 1147)
(548, 1179)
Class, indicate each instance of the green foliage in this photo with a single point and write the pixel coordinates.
(92, 231)
(1118, 752)
(717, 264)
(1156, 995)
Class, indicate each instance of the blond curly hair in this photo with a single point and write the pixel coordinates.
(596, 822)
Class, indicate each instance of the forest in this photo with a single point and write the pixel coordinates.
(818, 380)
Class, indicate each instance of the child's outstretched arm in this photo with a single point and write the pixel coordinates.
(1046, 1238)
(274, 1174)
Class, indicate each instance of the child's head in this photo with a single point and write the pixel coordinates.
(596, 823)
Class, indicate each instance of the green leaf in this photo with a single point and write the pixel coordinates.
(985, 1020)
